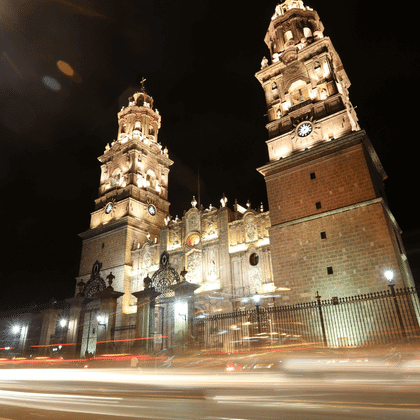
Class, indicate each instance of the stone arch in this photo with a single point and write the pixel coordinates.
(299, 91)
(116, 177)
(150, 179)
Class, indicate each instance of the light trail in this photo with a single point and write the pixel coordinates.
(129, 393)
(80, 9)
(12, 64)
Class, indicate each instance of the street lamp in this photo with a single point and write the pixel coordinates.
(63, 322)
(389, 275)
(17, 339)
(257, 301)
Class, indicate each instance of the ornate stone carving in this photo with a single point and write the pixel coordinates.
(194, 262)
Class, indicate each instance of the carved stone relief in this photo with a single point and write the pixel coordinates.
(212, 263)
(255, 280)
(251, 230)
(210, 227)
(194, 267)
(147, 260)
(193, 222)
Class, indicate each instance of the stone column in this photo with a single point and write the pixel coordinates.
(22, 345)
(75, 326)
(145, 320)
(107, 318)
(49, 324)
(183, 313)
(225, 274)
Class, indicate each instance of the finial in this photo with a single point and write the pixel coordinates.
(194, 202)
(223, 200)
(80, 285)
(142, 85)
(183, 273)
(147, 282)
(110, 279)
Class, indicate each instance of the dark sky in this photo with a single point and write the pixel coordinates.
(199, 58)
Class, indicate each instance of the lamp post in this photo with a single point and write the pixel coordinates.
(257, 301)
(62, 335)
(321, 317)
(101, 339)
(389, 275)
(16, 330)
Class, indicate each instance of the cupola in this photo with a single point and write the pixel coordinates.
(292, 27)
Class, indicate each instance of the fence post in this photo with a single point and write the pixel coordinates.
(321, 316)
(397, 308)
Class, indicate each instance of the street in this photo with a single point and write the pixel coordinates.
(132, 393)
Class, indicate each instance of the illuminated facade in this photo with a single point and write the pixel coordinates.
(225, 252)
(329, 229)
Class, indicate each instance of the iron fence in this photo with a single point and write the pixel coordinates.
(384, 317)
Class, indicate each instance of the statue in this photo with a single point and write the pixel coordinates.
(264, 63)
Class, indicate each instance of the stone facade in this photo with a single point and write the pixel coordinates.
(226, 253)
(329, 228)
(332, 230)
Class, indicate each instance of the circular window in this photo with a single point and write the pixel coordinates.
(193, 239)
(254, 259)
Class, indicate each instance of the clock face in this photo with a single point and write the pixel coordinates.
(108, 208)
(152, 210)
(304, 129)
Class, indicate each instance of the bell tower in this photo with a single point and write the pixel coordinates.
(332, 230)
(132, 203)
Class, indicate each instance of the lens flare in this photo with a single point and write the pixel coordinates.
(51, 83)
(65, 68)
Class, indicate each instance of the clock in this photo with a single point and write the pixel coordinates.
(304, 129)
(108, 208)
(152, 209)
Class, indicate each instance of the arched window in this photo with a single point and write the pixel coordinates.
(150, 179)
(116, 178)
(288, 35)
(298, 92)
(307, 32)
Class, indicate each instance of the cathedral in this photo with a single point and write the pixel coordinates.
(328, 230)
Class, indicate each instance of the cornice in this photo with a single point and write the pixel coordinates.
(114, 226)
(322, 150)
(331, 213)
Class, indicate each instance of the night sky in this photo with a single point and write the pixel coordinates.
(199, 58)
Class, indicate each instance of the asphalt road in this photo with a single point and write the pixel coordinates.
(98, 394)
